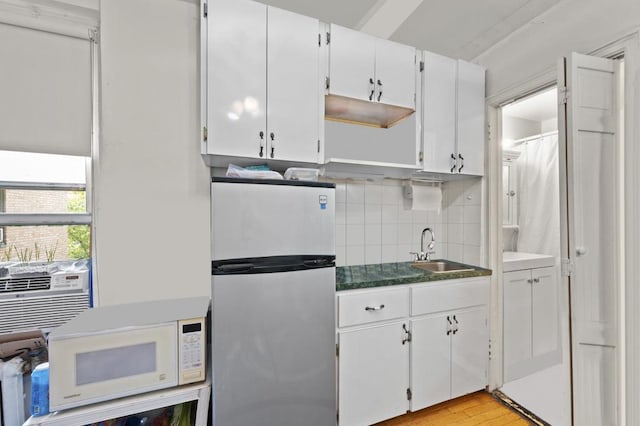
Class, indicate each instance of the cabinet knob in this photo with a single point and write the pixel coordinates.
(461, 162)
(581, 251)
(453, 163)
(379, 90)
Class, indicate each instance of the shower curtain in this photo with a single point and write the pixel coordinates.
(539, 203)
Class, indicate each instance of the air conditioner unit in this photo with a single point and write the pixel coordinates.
(41, 301)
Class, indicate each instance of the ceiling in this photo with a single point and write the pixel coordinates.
(540, 107)
(455, 28)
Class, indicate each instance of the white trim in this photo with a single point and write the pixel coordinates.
(631, 284)
(37, 219)
(494, 243)
(48, 16)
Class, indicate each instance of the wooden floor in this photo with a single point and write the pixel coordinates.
(478, 408)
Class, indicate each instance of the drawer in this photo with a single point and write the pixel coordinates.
(449, 295)
(365, 306)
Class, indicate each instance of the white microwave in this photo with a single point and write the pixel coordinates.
(114, 351)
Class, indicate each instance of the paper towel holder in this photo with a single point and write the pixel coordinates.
(407, 188)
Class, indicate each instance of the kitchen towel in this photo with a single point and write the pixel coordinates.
(425, 196)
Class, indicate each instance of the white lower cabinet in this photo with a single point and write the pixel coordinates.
(531, 339)
(404, 348)
(449, 348)
(373, 379)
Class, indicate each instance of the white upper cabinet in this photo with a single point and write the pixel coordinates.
(370, 81)
(352, 63)
(395, 74)
(294, 113)
(470, 118)
(439, 112)
(453, 115)
(236, 78)
(262, 83)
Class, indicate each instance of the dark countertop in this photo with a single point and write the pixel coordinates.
(388, 274)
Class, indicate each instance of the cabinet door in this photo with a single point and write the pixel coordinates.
(373, 374)
(469, 351)
(293, 102)
(395, 73)
(517, 322)
(351, 63)
(545, 311)
(430, 361)
(471, 126)
(236, 77)
(439, 112)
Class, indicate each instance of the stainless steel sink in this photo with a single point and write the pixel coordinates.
(440, 266)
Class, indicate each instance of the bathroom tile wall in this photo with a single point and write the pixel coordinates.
(375, 223)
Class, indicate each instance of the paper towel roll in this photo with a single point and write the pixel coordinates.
(426, 197)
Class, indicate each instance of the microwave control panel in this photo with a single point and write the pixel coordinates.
(191, 348)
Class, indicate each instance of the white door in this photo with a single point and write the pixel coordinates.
(544, 306)
(517, 323)
(469, 351)
(588, 130)
(237, 52)
(373, 374)
(430, 361)
(294, 107)
(395, 73)
(439, 113)
(351, 63)
(471, 126)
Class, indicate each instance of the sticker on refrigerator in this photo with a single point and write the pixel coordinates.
(323, 202)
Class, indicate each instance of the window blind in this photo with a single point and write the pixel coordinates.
(45, 92)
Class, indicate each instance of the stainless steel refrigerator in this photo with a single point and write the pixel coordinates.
(273, 308)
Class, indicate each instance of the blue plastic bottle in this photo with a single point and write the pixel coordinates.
(40, 390)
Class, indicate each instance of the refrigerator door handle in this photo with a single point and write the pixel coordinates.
(235, 268)
(315, 263)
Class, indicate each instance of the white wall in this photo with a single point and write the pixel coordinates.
(531, 52)
(514, 128)
(151, 210)
(374, 223)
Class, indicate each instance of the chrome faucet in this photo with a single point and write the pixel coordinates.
(426, 255)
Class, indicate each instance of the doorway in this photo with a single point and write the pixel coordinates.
(536, 348)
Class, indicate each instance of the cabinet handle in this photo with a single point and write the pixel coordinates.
(407, 337)
(536, 280)
(261, 135)
(379, 90)
(455, 330)
(461, 162)
(273, 145)
(374, 308)
(373, 89)
(453, 163)
(449, 326)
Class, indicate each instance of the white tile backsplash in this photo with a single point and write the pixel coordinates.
(355, 192)
(355, 235)
(373, 193)
(373, 213)
(374, 225)
(373, 254)
(355, 213)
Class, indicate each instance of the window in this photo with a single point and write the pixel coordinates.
(2, 243)
(43, 212)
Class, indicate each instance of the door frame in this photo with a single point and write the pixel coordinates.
(628, 295)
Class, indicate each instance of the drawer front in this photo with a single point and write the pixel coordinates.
(365, 306)
(449, 295)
